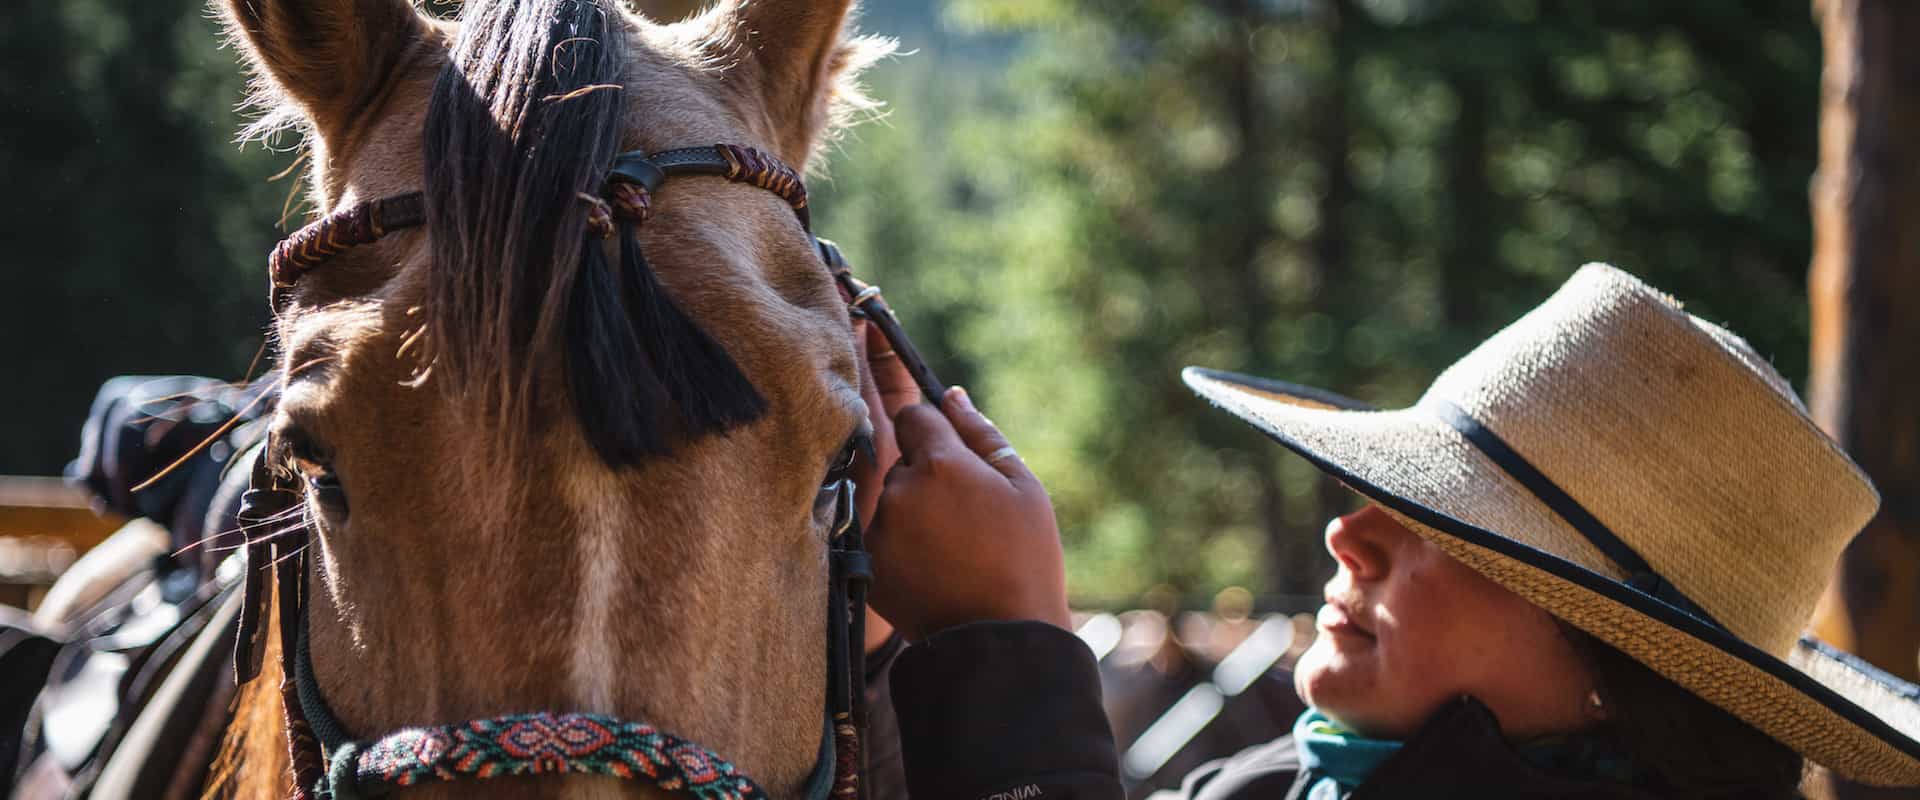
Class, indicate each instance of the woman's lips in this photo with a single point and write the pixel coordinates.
(1335, 619)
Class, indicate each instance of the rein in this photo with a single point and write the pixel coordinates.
(330, 764)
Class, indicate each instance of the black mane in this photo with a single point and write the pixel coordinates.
(525, 119)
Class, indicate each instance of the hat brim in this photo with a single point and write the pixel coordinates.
(1859, 722)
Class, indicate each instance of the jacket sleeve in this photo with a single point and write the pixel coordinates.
(1004, 711)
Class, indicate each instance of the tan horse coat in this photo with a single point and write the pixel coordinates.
(470, 579)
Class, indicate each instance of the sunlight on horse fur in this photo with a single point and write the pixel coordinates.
(253, 761)
(688, 592)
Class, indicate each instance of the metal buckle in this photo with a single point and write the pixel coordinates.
(843, 510)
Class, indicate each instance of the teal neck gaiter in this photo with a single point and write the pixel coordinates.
(1335, 759)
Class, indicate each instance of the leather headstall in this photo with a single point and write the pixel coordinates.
(329, 763)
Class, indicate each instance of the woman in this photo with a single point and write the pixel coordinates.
(1586, 560)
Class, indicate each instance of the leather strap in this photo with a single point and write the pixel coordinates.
(850, 569)
(260, 507)
(867, 302)
(690, 161)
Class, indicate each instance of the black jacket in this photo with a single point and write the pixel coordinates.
(1003, 711)
(1011, 711)
(1460, 752)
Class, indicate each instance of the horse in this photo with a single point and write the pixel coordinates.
(529, 474)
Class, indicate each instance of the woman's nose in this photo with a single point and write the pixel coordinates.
(1363, 542)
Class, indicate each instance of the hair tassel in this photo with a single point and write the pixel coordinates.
(618, 390)
(709, 388)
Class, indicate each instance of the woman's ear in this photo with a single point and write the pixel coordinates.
(329, 58)
(803, 59)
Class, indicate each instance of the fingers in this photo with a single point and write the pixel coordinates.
(923, 432)
(979, 435)
(872, 462)
(869, 386)
(890, 377)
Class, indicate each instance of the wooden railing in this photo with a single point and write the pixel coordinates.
(1183, 691)
(44, 525)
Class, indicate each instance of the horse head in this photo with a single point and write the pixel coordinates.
(540, 471)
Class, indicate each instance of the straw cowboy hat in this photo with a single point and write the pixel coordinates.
(1646, 477)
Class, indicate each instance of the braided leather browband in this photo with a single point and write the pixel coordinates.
(630, 186)
(324, 238)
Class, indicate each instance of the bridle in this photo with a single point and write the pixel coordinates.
(329, 763)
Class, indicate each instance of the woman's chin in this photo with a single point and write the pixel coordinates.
(1323, 674)
(1336, 681)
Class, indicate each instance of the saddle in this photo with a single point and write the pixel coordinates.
(135, 692)
(115, 687)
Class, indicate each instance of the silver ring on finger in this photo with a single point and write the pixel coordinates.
(1001, 454)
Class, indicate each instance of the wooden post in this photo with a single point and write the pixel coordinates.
(1332, 135)
(1244, 232)
(1864, 287)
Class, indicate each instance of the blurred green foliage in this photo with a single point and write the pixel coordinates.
(1338, 193)
(134, 232)
(1068, 200)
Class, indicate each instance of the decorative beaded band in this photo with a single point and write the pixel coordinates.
(539, 744)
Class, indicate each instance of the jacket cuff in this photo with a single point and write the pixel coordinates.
(1004, 711)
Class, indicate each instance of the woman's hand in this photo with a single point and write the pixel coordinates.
(887, 388)
(957, 537)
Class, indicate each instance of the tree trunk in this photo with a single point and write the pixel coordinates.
(1470, 252)
(1864, 287)
(1332, 262)
(1247, 232)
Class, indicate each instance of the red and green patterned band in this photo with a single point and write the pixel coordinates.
(537, 744)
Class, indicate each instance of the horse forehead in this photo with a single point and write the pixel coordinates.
(675, 91)
(737, 259)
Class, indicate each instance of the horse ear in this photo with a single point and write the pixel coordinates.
(806, 59)
(328, 57)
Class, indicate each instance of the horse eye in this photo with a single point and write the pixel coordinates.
(314, 464)
(327, 489)
(841, 467)
(843, 462)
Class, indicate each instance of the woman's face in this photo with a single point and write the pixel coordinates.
(1405, 628)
